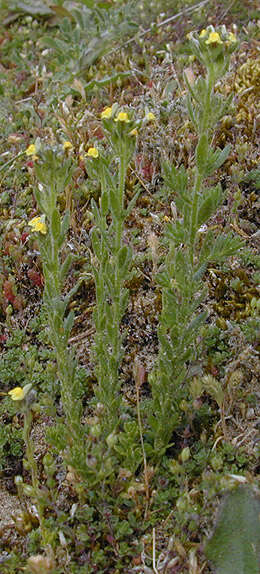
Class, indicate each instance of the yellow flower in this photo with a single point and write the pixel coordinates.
(17, 394)
(67, 145)
(203, 33)
(106, 114)
(214, 38)
(232, 39)
(31, 150)
(122, 117)
(150, 117)
(133, 132)
(38, 224)
(93, 152)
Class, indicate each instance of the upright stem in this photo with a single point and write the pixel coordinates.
(194, 214)
(198, 176)
(121, 190)
(108, 348)
(34, 473)
(29, 448)
(118, 243)
(205, 119)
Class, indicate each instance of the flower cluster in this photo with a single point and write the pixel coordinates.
(213, 48)
(121, 125)
(38, 224)
(93, 152)
(213, 38)
(115, 121)
(31, 152)
(123, 117)
(67, 145)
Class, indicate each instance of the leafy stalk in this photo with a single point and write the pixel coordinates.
(189, 252)
(53, 175)
(111, 265)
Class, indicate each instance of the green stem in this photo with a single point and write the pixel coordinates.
(29, 450)
(206, 115)
(194, 215)
(116, 344)
(121, 190)
(198, 176)
(118, 243)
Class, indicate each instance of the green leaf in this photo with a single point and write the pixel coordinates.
(176, 232)
(225, 246)
(221, 156)
(195, 324)
(209, 204)
(176, 179)
(191, 111)
(35, 8)
(89, 3)
(57, 436)
(115, 204)
(235, 545)
(72, 291)
(201, 153)
(216, 159)
(66, 266)
(213, 388)
(55, 224)
(163, 279)
(201, 269)
(217, 249)
(124, 297)
(96, 213)
(96, 243)
(61, 12)
(192, 92)
(124, 258)
(40, 200)
(253, 177)
(132, 202)
(104, 204)
(107, 80)
(65, 223)
(68, 323)
(55, 44)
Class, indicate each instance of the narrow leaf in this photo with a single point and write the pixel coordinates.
(55, 224)
(202, 153)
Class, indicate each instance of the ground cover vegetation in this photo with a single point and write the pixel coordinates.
(129, 275)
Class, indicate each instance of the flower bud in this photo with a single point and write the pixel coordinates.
(111, 440)
(185, 454)
(95, 430)
(18, 480)
(100, 409)
(28, 490)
